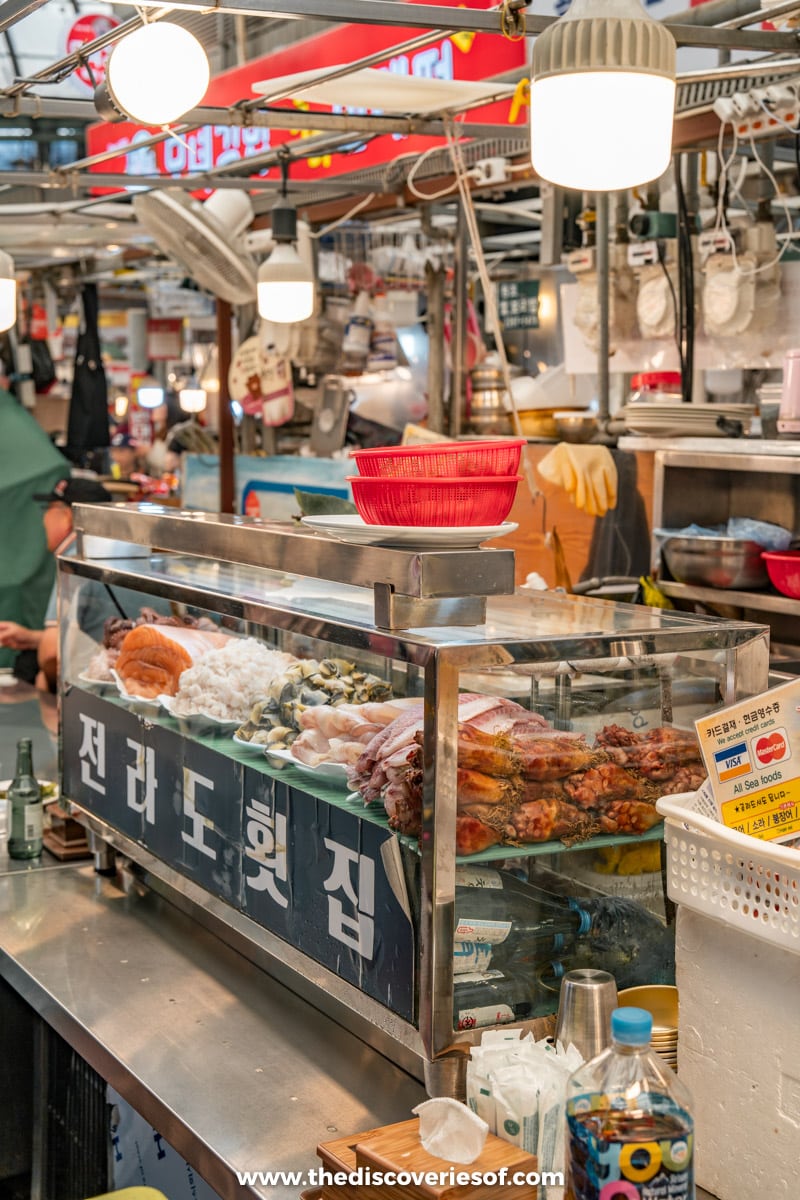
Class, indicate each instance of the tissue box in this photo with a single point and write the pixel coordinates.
(398, 1148)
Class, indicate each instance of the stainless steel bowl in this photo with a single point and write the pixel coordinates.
(720, 562)
(575, 426)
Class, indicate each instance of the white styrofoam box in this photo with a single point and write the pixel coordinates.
(739, 1055)
(141, 1157)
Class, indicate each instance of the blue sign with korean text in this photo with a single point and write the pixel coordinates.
(313, 871)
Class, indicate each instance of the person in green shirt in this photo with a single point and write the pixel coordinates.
(29, 463)
(38, 647)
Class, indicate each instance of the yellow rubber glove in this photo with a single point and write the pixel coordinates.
(587, 473)
(556, 468)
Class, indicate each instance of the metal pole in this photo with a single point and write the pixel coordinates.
(715, 12)
(224, 353)
(458, 389)
(434, 286)
(601, 237)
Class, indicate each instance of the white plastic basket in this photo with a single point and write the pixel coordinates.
(739, 880)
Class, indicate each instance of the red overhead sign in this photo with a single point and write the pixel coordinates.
(464, 56)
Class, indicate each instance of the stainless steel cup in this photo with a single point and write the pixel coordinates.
(588, 998)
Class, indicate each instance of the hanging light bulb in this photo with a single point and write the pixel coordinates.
(602, 97)
(192, 398)
(285, 282)
(8, 292)
(285, 287)
(154, 75)
(150, 393)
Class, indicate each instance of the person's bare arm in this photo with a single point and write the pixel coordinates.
(47, 656)
(17, 637)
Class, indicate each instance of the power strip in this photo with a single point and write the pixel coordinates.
(760, 112)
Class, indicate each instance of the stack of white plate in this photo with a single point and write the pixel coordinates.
(682, 420)
(662, 1002)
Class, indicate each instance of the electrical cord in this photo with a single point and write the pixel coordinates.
(773, 262)
(348, 216)
(664, 268)
(725, 165)
(412, 174)
(489, 292)
(685, 288)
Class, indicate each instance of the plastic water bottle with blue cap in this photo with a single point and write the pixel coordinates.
(630, 1134)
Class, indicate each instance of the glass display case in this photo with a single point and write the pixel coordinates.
(419, 827)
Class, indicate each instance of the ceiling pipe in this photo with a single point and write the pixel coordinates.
(714, 12)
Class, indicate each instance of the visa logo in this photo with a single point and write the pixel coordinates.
(732, 762)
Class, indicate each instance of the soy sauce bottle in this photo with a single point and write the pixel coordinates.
(25, 807)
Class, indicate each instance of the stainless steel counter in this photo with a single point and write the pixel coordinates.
(234, 1070)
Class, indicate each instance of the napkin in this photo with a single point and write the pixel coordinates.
(450, 1130)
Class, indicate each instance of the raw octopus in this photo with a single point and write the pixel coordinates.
(340, 733)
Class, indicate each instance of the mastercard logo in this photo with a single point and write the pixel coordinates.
(771, 748)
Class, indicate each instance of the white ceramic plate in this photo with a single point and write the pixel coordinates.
(199, 720)
(348, 527)
(96, 685)
(326, 770)
(256, 747)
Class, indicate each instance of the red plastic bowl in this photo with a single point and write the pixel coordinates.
(783, 568)
(437, 502)
(445, 460)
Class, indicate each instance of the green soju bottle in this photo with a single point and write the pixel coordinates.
(25, 807)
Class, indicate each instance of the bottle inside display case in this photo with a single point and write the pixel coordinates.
(514, 942)
(394, 814)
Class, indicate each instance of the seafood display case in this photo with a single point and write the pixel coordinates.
(409, 793)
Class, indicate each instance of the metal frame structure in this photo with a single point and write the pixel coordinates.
(721, 24)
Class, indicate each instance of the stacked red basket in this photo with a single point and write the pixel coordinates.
(445, 484)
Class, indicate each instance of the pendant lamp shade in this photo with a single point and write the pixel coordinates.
(602, 97)
(157, 73)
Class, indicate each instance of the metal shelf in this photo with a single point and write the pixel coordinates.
(766, 601)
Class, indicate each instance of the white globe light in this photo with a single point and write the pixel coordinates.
(8, 292)
(285, 287)
(192, 400)
(157, 73)
(601, 131)
(150, 396)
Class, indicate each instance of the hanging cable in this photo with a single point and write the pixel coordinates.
(489, 296)
(348, 216)
(675, 307)
(448, 191)
(685, 288)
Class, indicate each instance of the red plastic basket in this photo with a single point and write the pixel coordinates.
(445, 460)
(434, 502)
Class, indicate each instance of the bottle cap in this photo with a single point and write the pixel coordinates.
(631, 1026)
